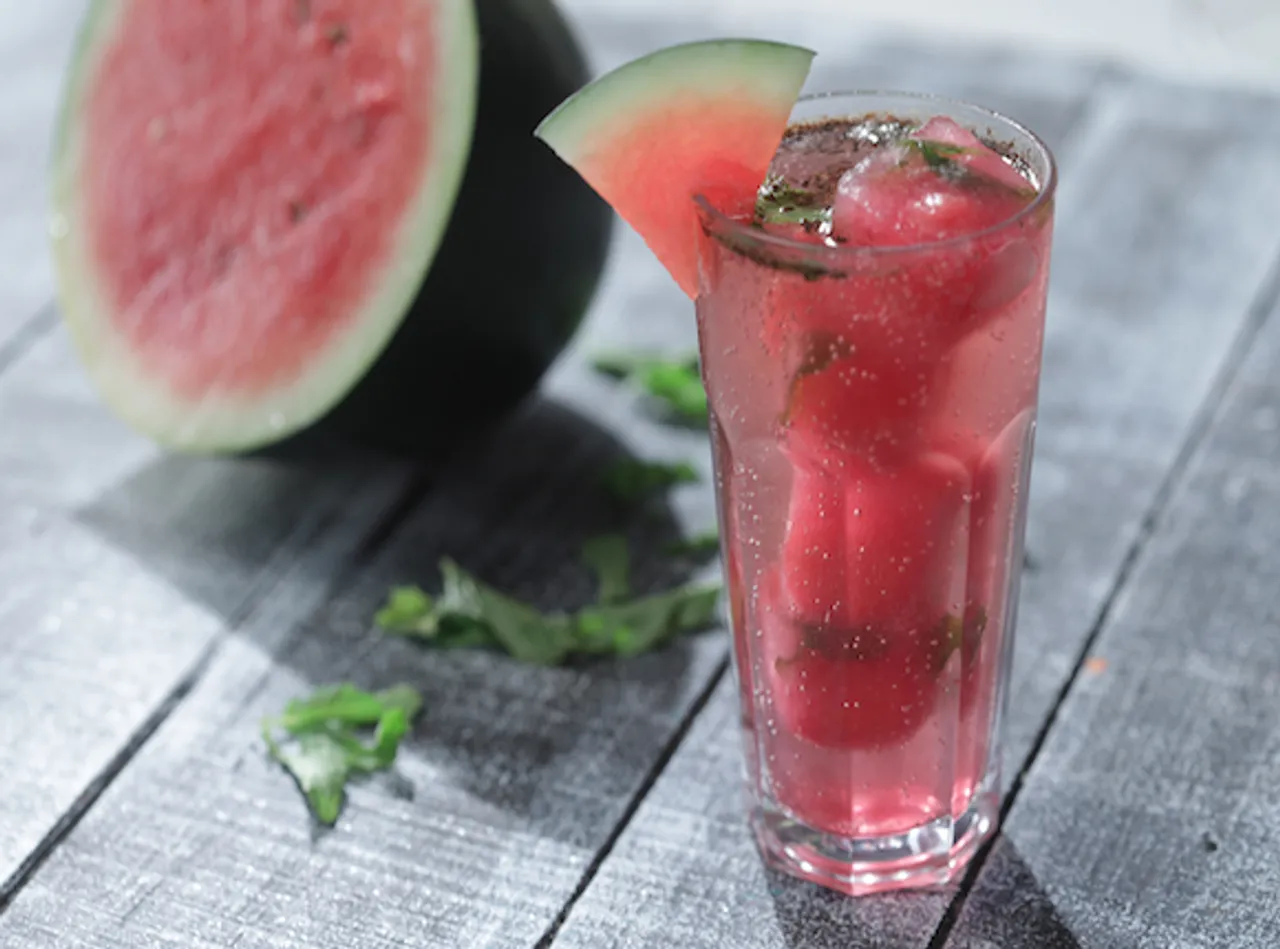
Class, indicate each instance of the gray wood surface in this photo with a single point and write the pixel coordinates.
(35, 42)
(1149, 818)
(152, 608)
(120, 570)
(1167, 230)
(516, 778)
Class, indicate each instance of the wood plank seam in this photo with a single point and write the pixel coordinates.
(34, 329)
(1260, 310)
(629, 812)
(379, 533)
(31, 864)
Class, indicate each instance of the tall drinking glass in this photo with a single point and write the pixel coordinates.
(872, 413)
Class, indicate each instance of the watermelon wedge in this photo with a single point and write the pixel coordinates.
(248, 198)
(703, 117)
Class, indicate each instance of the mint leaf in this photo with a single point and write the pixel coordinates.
(322, 745)
(612, 627)
(408, 610)
(778, 202)
(676, 383)
(379, 754)
(345, 703)
(607, 556)
(679, 387)
(937, 155)
(518, 628)
(698, 547)
(319, 766)
(628, 629)
(631, 480)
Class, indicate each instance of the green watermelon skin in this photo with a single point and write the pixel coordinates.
(518, 266)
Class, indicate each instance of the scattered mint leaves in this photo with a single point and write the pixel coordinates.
(631, 480)
(608, 557)
(469, 614)
(676, 383)
(322, 748)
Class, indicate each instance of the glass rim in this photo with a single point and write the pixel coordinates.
(758, 237)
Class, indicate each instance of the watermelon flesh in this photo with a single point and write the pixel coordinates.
(247, 197)
(236, 234)
(699, 118)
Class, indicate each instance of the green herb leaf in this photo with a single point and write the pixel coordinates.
(408, 610)
(698, 547)
(675, 382)
(607, 555)
(679, 387)
(323, 748)
(319, 766)
(937, 155)
(613, 627)
(778, 202)
(630, 480)
(518, 628)
(628, 629)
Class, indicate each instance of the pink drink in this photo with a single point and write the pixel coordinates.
(870, 338)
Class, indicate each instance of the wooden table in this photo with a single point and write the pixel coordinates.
(153, 608)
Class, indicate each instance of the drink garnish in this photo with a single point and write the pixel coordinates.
(779, 202)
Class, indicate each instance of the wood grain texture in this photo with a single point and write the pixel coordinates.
(1167, 230)
(35, 44)
(95, 643)
(514, 780)
(1150, 817)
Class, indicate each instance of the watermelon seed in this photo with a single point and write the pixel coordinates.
(297, 210)
(337, 35)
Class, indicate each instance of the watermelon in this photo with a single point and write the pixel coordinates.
(277, 217)
(697, 118)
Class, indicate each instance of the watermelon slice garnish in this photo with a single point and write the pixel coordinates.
(697, 118)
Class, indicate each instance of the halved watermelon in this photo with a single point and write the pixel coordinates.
(247, 198)
(698, 117)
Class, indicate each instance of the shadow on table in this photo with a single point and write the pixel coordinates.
(514, 508)
(1009, 908)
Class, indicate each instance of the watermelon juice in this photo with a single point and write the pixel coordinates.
(870, 334)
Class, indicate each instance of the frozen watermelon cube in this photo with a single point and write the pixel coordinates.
(843, 687)
(966, 149)
(865, 547)
(916, 192)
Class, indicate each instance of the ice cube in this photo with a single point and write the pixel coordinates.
(974, 155)
(920, 190)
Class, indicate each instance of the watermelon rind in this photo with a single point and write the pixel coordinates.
(749, 67)
(225, 421)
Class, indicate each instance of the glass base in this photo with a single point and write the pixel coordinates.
(926, 857)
